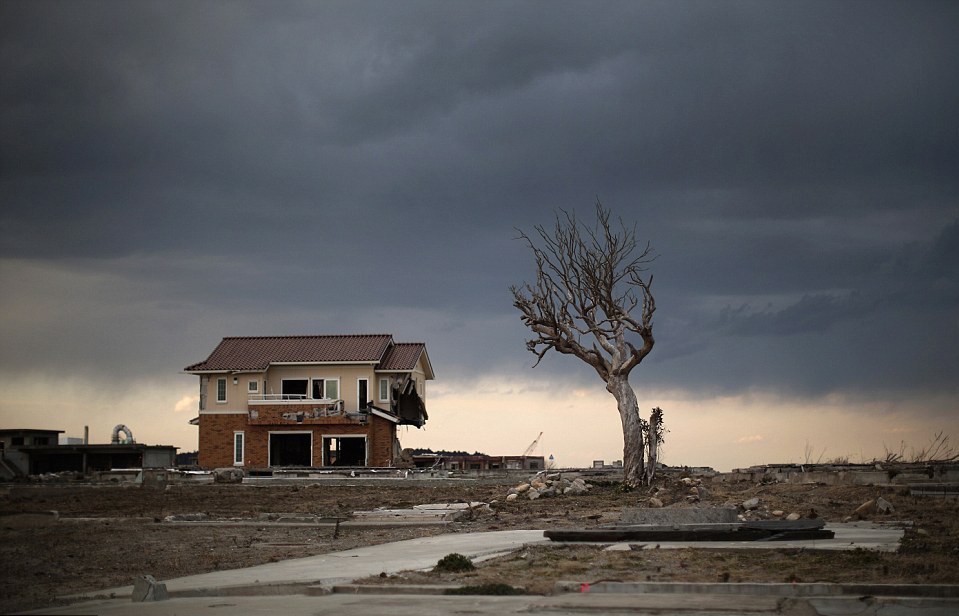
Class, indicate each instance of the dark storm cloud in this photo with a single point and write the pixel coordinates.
(225, 168)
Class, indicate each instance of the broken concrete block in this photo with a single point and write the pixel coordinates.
(751, 503)
(512, 497)
(884, 506)
(523, 487)
(532, 494)
(187, 517)
(230, 474)
(655, 503)
(146, 588)
(778, 513)
(793, 517)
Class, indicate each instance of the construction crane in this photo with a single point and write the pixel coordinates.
(532, 445)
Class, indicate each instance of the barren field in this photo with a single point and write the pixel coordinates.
(108, 534)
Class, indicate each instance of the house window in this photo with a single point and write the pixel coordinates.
(294, 389)
(317, 389)
(384, 390)
(332, 389)
(363, 394)
(253, 386)
(16, 441)
(238, 438)
(221, 390)
(41, 440)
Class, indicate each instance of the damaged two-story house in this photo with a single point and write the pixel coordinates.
(309, 401)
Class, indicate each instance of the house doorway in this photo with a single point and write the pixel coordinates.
(344, 451)
(291, 449)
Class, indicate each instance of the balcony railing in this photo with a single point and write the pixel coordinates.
(293, 399)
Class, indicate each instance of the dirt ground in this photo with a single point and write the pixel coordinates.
(106, 535)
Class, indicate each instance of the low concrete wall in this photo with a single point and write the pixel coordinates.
(865, 476)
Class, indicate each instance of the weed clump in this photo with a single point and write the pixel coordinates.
(453, 563)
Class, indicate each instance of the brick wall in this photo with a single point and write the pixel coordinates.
(216, 438)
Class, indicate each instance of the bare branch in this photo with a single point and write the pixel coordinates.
(589, 283)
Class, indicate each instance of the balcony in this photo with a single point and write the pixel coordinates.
(275, 399)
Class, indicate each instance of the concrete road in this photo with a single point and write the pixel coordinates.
(349, 565)
(431, 605)
(283, 585)
(423, 553)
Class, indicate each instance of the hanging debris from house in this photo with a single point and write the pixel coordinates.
(407, 404)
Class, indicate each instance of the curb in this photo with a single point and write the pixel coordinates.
(943, 591)
(392, 589)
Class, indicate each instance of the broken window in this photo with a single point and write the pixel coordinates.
(291, 449)
(363, 394)
(294, 389)
(344, 451)
(317, 389)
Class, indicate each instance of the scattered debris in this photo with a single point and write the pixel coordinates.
(228, 475)
(750, 504)
(870, 507)
(146, 588)
(546, 485)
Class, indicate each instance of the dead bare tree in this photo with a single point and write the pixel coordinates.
(589, 281)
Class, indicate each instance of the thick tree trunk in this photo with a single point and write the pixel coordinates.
(632, 429)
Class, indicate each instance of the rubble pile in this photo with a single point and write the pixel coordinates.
(695, 490)
(543, 485)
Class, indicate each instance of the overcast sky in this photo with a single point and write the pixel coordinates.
(173, 173)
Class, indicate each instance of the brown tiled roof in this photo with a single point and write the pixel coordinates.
(402, 356)
(258, 352)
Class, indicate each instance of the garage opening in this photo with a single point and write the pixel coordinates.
(292, 449)
(344, 450)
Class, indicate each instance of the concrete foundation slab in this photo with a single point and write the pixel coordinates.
(691, 515)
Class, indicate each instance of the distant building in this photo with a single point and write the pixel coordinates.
(35, 452)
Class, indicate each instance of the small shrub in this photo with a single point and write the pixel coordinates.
(453, 563)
